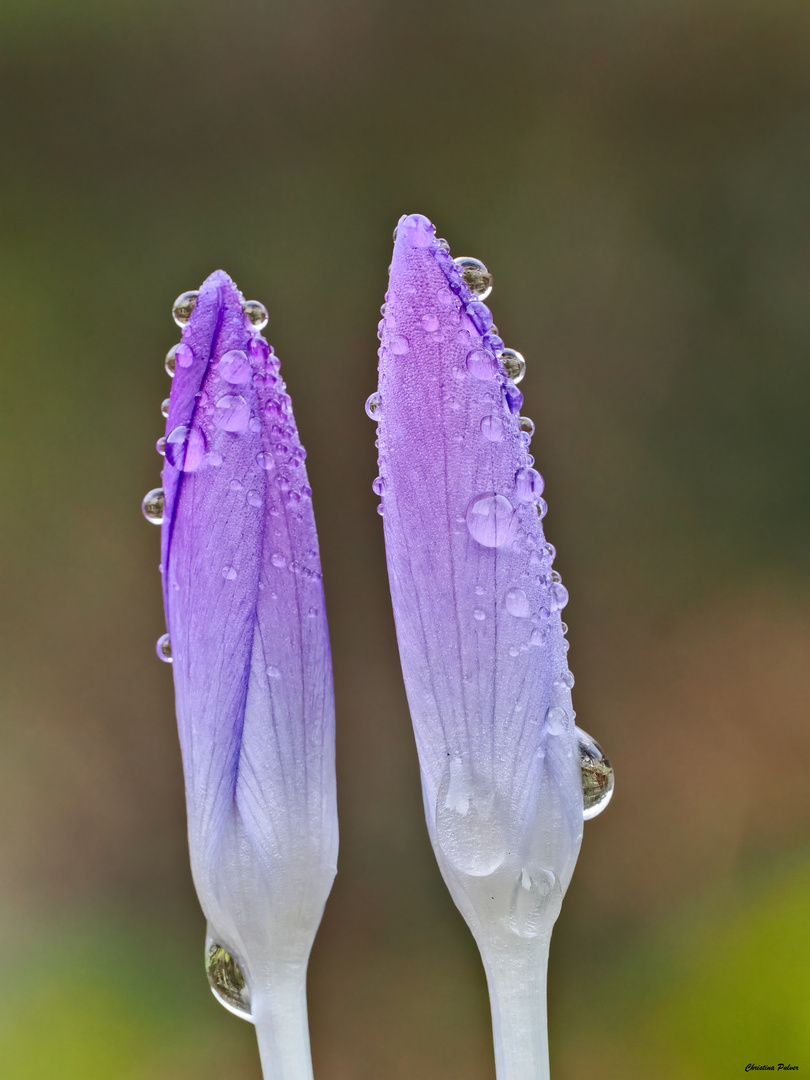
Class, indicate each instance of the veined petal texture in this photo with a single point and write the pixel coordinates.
(476, 600)
(247, 625)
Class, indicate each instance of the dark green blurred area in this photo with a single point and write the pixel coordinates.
(636, 177)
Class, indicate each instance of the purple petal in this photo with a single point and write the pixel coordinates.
(246, 618)
(476, 607)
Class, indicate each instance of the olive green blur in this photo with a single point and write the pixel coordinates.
(636, 176)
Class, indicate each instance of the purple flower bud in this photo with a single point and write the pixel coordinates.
(250, 651)
(480, 635)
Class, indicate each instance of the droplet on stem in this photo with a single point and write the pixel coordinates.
(226, 980)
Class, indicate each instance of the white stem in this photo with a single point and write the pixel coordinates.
(517, 995)
(282, 1030)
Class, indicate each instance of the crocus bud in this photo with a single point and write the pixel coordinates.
(477, 610)
(248, 641)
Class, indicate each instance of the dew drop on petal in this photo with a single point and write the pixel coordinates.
(469, 822)
(160, 446)
(278, 560)
(417, 231)
(171, 361)
(476, 276)
(254, 499)
(514, 398)
(479, 615)
(164, 649)
(153, 505)
(556, 720)
(517, 604)
(536, 902)
(514, 365)
(482, 364)
(493, 428)
(528, 485)
(527, 426)
(256, 314)
(558, 596)
(265, 461)
(430, 323)
(234, 367)
(226, 980)
(183, 355)
(229, 573)
(597, 775)
(185, 448)
(542, 508)
(233, 413)
(492, 521)
(399, 344)
(373, 403)
(164, 407)
(378, 486)
(183, 306)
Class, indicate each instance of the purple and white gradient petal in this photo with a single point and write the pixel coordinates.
(477, 610)
(250, 651)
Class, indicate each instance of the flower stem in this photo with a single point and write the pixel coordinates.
(517, 995)
(282, 1030)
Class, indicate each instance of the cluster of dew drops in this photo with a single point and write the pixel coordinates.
(597, 772)
(154, 501)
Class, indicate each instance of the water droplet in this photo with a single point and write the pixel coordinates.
(564, 627)
(479, 589)
(164, 407)
(380, 510)
(482, 364)
(278, 560)
(274, 673)
(527, 426)
(430, 323)
(153, 505)
(476, 276)
(517, 604)
(256, 314)
(555, 574)
(567, 679)
(160, 446)
(399, 344)
(469, 826)
(229, 573)
(556, 720)
(514, 398)
(226, 980)
(529, 485)
(537, 637)
(492, 428)
(373, 403)
(542, 508)
(514, 365)
(171, 361)
(233, 413)
(443, 244)
(417, 231)
(479, 615)
(253, 498)
(444, 297)
(492, 521)
(558, 596)
(213, 458)
(185, 448)
(234, 367)
(597, 775)
(536, 900)
(378, 487)
(259, 350)
(164, 649)
(265, 461)
(183, 306)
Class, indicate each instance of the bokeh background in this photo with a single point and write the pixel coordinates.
(636, 175)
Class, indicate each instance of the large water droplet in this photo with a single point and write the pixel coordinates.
(492, 521)
(536, 900)
(517, 604)
(185, 448)
(256, 314)
(183, 306)
(476, 276)
(514, 365)
(493, 428)
(233, 413)
(528, 485)
(469, 826)
(527, 426)
(597, 775)
(164, 649)
(226, 980)
(153, 505)
(378, 486)
(417, 230)
(373, 402)
(558, 596)
(234, 367)
(482, 364)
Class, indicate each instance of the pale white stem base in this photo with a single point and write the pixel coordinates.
(517, 995)
(280, 1015)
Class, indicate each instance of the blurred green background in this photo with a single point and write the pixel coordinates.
(636, 175)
